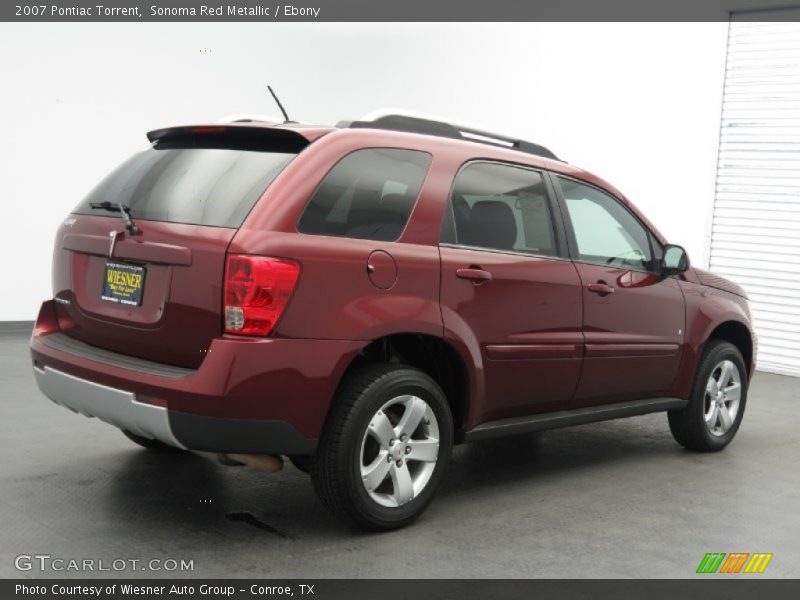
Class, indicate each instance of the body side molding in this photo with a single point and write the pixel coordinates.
(566, 418)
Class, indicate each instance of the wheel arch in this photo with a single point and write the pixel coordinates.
(730, 327)
(432, 355)
(738, 334)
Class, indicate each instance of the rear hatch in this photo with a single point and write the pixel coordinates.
(157, 294)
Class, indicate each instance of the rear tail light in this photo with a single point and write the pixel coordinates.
(257, 290)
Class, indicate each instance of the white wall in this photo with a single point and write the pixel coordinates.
(639, 104)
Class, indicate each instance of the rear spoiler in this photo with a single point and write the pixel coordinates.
(245, 137)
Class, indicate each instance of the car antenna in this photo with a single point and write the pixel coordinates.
(278, 102)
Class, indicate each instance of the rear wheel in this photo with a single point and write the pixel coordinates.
(716, 407)
(154, 445)
(385, 447)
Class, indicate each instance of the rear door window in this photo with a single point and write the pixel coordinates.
(501, 207)
(369, 194)
(195, 185)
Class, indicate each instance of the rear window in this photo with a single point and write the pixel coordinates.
(369, 194)
(200, 186)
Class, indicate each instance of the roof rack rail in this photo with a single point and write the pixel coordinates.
(414, 124)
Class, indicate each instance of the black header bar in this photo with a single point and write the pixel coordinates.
(706, 588)
(391, 10)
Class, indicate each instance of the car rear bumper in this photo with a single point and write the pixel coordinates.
(259, 396)
(117, 407)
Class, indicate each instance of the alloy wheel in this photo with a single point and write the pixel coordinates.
(722, 397)
(399, 451)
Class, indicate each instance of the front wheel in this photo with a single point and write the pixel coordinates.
(385, 448)
(716, 407)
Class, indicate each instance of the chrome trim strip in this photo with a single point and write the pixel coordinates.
(113, 243)
(499, 251)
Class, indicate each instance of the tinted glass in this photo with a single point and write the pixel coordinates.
(503, 208)
(200, 186)
(369, 194)
(606, 232)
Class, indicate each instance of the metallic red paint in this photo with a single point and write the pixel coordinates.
(535, 338)
(525, 325)
(632, 335)
(181, 308)
(251, 378)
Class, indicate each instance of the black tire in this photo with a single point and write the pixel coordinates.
(688, 426)
(154, 445)
(336, 470)
(303, 463)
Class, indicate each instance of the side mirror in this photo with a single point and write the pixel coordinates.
(675, 260)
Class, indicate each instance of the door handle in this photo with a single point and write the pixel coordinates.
(601, 287)
(474, 274)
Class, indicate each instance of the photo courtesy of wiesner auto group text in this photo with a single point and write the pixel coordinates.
(358, 299)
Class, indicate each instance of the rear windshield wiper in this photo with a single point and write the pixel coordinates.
(123, 210)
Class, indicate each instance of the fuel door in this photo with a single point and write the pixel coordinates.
(381, 269)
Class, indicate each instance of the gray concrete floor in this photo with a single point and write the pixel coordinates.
(616, 499)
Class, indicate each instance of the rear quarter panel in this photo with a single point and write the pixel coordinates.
(334, 297)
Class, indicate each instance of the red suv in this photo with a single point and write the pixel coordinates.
(361, 298)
